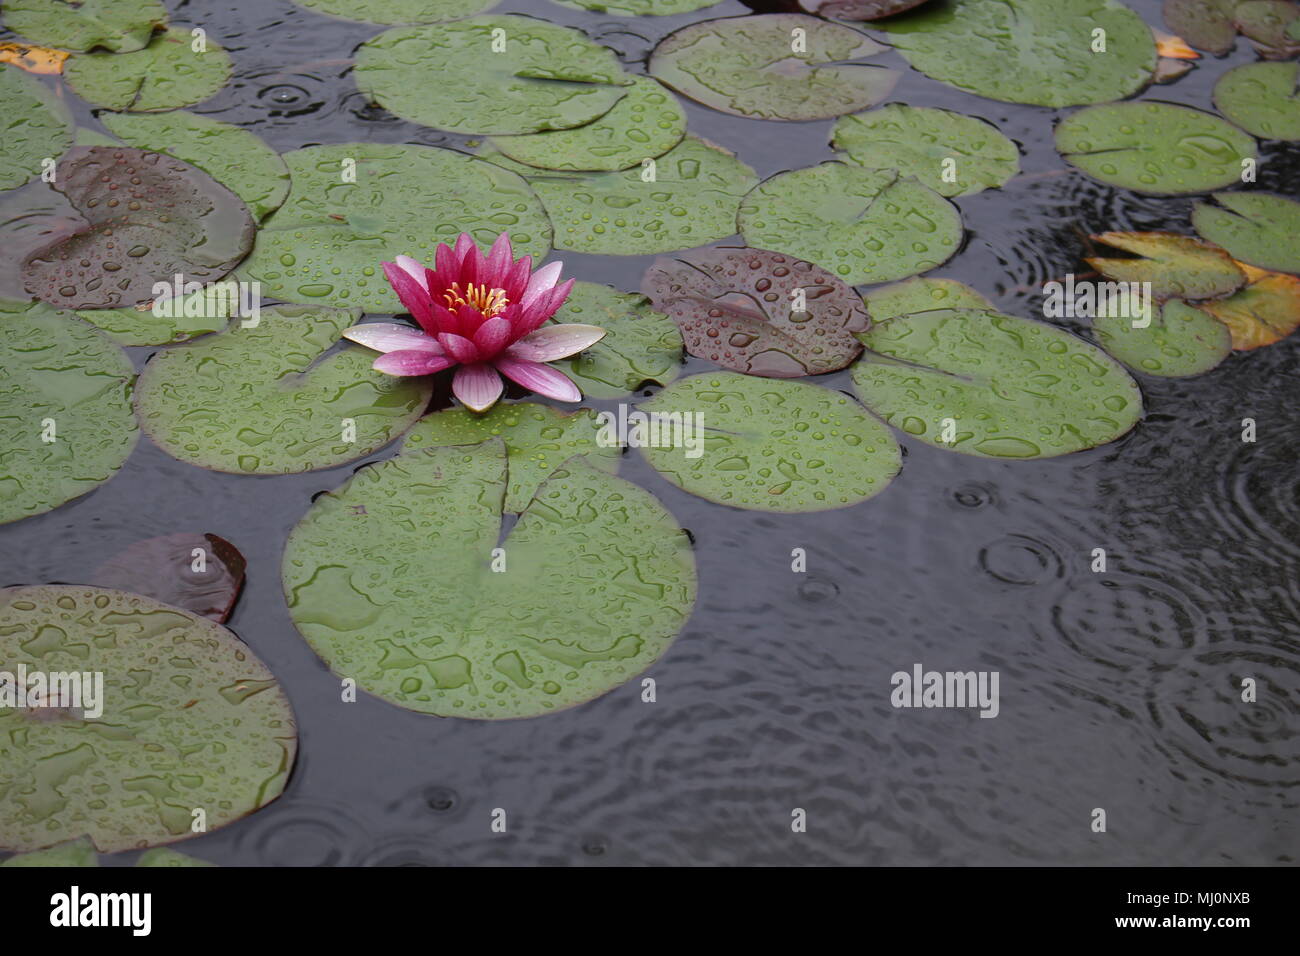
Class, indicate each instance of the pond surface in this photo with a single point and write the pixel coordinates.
(1119, 689)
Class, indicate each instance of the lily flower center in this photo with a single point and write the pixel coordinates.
(489, 302)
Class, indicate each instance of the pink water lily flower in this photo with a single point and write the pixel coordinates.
(484, 314)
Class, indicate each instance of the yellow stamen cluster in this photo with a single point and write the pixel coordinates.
(488, 301)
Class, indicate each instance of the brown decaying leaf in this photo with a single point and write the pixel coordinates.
(1265, 311)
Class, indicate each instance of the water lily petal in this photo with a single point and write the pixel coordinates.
(555, 342)
(444, 320)
(415, 298)
(477, 386)
(411, 362)
(459, 348)
(517, 280)
(390, 337)
(415, 270)
(493, 336)
(542, 379)
(542, 280)
(543, 307)
(500, 258)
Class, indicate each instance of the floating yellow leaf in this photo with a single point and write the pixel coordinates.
(1265, 311)
(33, 59)
(1173, 46)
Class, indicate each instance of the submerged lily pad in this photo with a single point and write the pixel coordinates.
(1011, 388)
(1175, 265)
(262, 400)
(396, 12)
(37, 126)
(689, 199)
(352, 206)
(737, 307)
(1155, 148)
(926, 143)
(1180, 341)
(191, 720)
(234, 157)
(1261, 98)
(177, 319)
(638, 8)
(920, 294)
(1205, 24)
(145, 218)
(390, 579)
(776, 66)
(512, 74)
(1029, 51)
(538, 438)
(1267, 310)
(640, 344)
(166, 75)
(66, 424)
(117, 25)
(644, 124)
(79, 852)
(201, 573)
(162, 856)
(1260, 228)
(768, 444)
(31, 218)
(863, 225)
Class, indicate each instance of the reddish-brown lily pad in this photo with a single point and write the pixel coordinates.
(144, 218)
(1205, 24)
(201, 573)
(759, 312)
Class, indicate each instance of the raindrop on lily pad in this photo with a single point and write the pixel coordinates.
(1154, 148)
(993, 385)
(538, 438)
(117, 25)
(1029, 51)
(397, 12)
(921, 294)
(78, 852)
(36, 124)
(1265, 311)
(1271, 26)
(190, 719)
(66, 424)
(1180, 341)
(170, 319)
(1261, 98)
(862, 225)
(777, 66)
(767, 444)
(759, 312)
(1174, 264)
(394, 582)
(202, 573)
(492, 75)
(1262, 229)
(166, 75)
(953, 154)
(264, 399)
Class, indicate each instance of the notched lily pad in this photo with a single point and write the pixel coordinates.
(1262, 229)
(117, 25)
(167, 74)
(759, 312)
(1205, 24)
(862, 225)
(393, 581)
(201, 573)
(777, 66)
(66, 424)
(768, 444)
(190, 720)
(513, 74)
(953, 154)
(397, 12)
(1267, 310)
(921, 294)
(1175, 265)
(1181, 340)
(37, 126)
(1156, 148)
(993, 385)
(144, 218)
(169, 319)
(262, 400)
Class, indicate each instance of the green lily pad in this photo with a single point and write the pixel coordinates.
(84, 136)
(1205, 24)
(191, 720)
(758, 66)
(770, 444)
(261, 400)
(1269, 24)
(953, 154)
(538, 438)
(396, 12)
(1260, 228)
(1154, 148)
(37, 126)
(117, 25)
(691, 200)
(196, 313)
(920, 294)
(165, 75)
(62, 380)
(863, 225)
(1175, 265)
(1267, 310)
(390, 580)
(537, 76)
(1180, 341)
(1029, 51)
(859, 10)
(352, 206)
(644, 124)
(640, 344)
(144, 218)
(234, 157)
(639, 8)
(759, 312)
(1012, 388)
(1261, 98)
(79, 852)
(162, 856)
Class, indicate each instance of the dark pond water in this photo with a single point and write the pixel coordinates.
(1118, 690)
